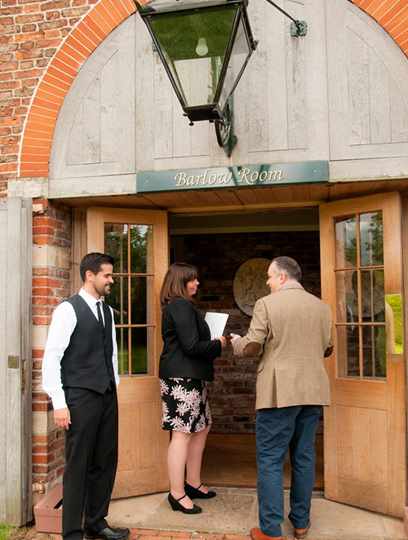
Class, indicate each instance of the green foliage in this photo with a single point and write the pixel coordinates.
(5, 531)
(395, 301)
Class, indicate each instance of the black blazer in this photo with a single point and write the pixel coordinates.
(188, 349)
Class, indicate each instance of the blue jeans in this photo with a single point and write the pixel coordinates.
(278, 430)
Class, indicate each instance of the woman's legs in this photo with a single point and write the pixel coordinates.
(195, 457)
(176, 462)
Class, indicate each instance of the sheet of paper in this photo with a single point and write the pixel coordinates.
(216, 322)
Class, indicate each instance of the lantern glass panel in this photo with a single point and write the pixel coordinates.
(194, 44)
(239, 56)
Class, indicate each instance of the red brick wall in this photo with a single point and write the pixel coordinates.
(51, 284)
(30, 33)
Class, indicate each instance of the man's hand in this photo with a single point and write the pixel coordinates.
(62, 418)
(223, 340)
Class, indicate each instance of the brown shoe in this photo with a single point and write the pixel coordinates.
(301, 533)
(257, 534)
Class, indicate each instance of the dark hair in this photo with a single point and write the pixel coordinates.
(93, 262)
(175, 282)
(289, 266)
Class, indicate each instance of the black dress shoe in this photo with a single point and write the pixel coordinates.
(178, 507)
(108, 533)
(195, 493)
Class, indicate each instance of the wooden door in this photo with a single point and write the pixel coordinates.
(15, 361)
(138, 240)
(365, 425)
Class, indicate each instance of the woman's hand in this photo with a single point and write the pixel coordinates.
(224, 341)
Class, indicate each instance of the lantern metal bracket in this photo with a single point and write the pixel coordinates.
(224, 129)
(297, 28)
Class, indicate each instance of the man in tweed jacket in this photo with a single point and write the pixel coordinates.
(291, 331)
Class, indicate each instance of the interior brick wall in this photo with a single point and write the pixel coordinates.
(218, 257)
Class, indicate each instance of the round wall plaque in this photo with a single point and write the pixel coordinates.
(250, 283)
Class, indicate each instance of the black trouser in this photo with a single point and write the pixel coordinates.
(91, 456)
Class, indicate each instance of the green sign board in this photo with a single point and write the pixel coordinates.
(305, 172)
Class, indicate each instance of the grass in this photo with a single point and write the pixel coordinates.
(5, 531)
(395, 301)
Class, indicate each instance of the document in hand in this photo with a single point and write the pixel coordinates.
(216, 322)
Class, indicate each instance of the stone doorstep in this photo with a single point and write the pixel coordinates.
(48, 524)
(48, 512)
(156, 534)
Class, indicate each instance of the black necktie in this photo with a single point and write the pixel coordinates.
(98, 309)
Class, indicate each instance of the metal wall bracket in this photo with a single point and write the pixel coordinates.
(224, 129)
(298, 28)
(13, 362)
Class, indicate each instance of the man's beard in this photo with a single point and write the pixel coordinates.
(103, 291)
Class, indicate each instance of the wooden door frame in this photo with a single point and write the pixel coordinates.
(79, 243)
(394, 278)
(404, 209)
(16, 364)
(95, 237)
(144, 466)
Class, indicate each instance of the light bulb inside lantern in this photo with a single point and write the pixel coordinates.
(202, 47)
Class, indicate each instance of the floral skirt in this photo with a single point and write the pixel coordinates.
(185, 405)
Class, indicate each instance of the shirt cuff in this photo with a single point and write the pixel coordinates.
(58, 400)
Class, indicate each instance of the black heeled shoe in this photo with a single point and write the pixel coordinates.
(178, 507)
(195, 493)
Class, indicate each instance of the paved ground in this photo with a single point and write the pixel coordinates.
(234, 511)
(230, 516)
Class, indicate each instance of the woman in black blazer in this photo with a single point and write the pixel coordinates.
(186, 364)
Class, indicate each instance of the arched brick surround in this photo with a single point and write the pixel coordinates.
(54, 86)
(392, 15)
(35, 149)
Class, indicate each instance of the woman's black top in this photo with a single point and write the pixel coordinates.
(188, 349)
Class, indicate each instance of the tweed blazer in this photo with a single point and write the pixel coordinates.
(291, 331)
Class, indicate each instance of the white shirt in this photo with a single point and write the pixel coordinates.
(62, 325)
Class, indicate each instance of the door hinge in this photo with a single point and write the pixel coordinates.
(13, 362)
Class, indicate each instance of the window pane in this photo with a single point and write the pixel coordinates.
(347, 294)
(141, 248)
(348, 351)
(372, 295)
(116, 238)
(139, 351)
(189, 43)
(239, 56)
(118, 299)
(346, 245)
(142, 300)
(371, 239)
(368, 351)
(380, 351)
(123, 350)
(374, 350)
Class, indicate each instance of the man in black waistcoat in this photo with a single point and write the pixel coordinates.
(80, 375)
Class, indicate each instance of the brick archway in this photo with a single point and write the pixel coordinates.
(35, 149)
(54, 86)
